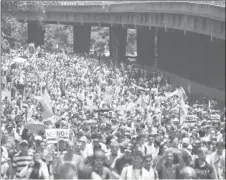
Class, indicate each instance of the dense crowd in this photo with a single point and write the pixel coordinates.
(124, 123)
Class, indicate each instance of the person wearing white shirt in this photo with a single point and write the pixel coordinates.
(150, 147)
(141, 145)
(4, 162)
(215, 159)
(136, 171)
(148, 165)
(88, 151)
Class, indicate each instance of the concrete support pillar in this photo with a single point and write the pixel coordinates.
(36, 34)
(145, 46)
(117, 44)
(82, 34)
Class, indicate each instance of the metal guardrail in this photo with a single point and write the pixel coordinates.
(83, 3)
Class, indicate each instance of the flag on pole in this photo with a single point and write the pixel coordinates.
(189, 89)
(62, 88)
(184, 108)
(209, 105)
(171, 94)
(45, 101)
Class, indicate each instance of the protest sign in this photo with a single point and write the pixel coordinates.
(7, 94)
(215, 117)
(190, 120)
(53, 135)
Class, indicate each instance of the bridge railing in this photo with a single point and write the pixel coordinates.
(80, 3)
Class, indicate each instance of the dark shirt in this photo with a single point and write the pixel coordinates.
(104, 173)
(121, 163)
(205, 172)
(169, 172)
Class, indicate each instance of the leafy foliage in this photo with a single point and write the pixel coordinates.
(14, 33)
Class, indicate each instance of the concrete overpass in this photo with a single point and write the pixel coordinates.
(191, 35)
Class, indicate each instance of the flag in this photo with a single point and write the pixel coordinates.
(45, 101)
(209, 105)
(62, 88)
(182, 93)
(189, 89)
(108, 98)
(183, 111)
(171, 94)
(36, 73)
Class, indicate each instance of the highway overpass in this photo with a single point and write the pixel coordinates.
(191, 35)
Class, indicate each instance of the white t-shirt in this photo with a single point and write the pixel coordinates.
(135, 174)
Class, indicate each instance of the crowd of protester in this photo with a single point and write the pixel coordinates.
(123, 123)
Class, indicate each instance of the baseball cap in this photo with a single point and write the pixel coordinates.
(17, 138)
(197, 143)
(186, 141)
(38, 138)
(128, 148)
(83, 139)
(175, 120)
(24, 142)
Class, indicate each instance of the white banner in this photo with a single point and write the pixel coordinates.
(53, 135)
(215, 116)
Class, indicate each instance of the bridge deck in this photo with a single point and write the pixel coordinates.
(83, 3)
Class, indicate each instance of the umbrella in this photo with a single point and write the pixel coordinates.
(36, 126)
(19, 60)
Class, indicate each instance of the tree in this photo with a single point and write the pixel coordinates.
(131, 47)
(14, 32)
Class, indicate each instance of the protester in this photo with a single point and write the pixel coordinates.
(136, 170)
(119, 123)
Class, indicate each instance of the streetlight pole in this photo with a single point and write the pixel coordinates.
(156, 49)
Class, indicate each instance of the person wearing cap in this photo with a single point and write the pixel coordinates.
(21, 160)
(123, 161)
(185, 143)
(113, 154)
(10, 129)
(203, 169)
(37, 143)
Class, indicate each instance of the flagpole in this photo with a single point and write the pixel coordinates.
(0, 92)
(179, 115)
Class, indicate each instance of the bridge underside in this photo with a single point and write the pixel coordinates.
(191, 55)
